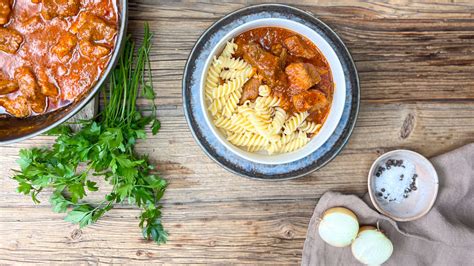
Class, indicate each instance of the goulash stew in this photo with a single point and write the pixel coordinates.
(292, 66)
(52, 51)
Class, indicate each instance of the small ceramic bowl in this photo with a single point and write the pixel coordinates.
(419, 201)
(337, 105)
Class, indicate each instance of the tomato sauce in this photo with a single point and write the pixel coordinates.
(65, 46)
(292, 66)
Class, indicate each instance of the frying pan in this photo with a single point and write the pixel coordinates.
(14, 129)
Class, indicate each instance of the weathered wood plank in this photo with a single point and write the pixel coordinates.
(403, 52)
(430, 128)
(415, 62)
(224, 233)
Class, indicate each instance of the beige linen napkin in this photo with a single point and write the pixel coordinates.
(445, 236)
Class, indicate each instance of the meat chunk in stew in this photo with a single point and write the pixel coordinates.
(297, 47)
(64, 48)
(266, 63)
(30, 89)
(60, 8)
(7, 86)
(250, 89)
(302, 76)
(311, 100)
(32, 24)
(93, 51)
(92, 28)
(46, 87)
(10, 40)
(5, 10)
(17, 107)
(276, 49)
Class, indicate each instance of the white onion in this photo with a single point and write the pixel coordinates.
(371, 246)
(338, 227)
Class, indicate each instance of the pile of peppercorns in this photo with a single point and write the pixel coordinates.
(387, 166)
(412, 185)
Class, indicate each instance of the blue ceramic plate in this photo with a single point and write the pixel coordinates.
(196, 116)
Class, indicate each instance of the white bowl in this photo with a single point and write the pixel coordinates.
(337, 105)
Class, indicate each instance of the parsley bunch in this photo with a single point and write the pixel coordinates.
(103, 147)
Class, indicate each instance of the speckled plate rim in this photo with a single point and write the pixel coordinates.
(209, 143)
(389, 214)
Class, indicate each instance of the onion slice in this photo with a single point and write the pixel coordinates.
(371, 246)
(338, 227)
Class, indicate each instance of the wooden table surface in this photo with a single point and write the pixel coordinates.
(416, 67)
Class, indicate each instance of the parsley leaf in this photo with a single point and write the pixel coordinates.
(103, 147)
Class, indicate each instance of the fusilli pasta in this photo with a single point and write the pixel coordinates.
(309, 127)
(264, 91)
(232, 73)
(226, 124)
(278, 120)
(232, 102)
(228, 87)
(232, 63)
(259, 123)
(294, 122)
(212, 80)
(296, 143)
(216, 106)
(229, 49)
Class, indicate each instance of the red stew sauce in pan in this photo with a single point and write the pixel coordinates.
(52, 52)
(292, 66)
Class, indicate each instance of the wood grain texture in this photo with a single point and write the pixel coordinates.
(88, 112)
(416, 66)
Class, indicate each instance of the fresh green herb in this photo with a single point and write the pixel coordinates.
(103, 147)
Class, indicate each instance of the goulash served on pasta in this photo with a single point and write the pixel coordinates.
(270, 90)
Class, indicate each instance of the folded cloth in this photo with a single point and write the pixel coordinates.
(445, 236)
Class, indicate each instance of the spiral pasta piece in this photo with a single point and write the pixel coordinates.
(229, 49)
(277, 142)
(226, 124)
(294, 122)
(232, 73)
(259, 123)
(212, 79)
(296, 143)
(278, 121)
(232, 63)
(256, 148)
(274, 147)
(228, 87)
(247, 139)
(242, 121)
(262, 103)
(287, 138)
(309, 127)
(264, 91)
(216, 106)
(232, 102)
